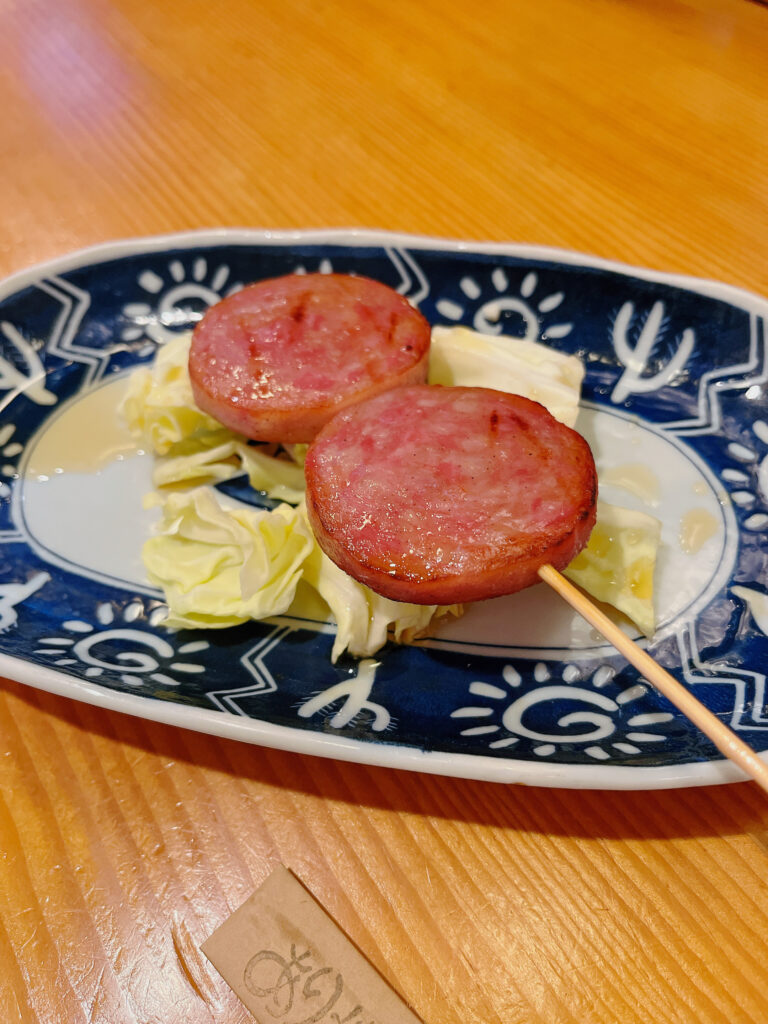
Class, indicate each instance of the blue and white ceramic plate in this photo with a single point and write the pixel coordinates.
(519, 689)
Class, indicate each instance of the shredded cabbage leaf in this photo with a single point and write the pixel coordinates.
(618, 563)
(461, 356)
(218, 567)
(204, 464)
(279, 478)
(159, 406)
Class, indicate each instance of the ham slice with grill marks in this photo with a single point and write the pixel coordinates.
(444, 495)
(278, 359)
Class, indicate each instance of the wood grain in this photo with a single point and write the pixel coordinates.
(635, 130)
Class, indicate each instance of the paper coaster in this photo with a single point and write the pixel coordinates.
(288, 961)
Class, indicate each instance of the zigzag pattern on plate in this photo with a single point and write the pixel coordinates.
(75, 304)
(730, 378)
(749, 687)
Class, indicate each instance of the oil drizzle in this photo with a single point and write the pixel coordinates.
(636, 478)
(696, 527)
(85, 437)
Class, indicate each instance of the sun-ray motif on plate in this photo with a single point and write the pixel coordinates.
(9, 451)
(135, 655)
(518, 315)
(176, 301)
(503, 720)
(748, 476)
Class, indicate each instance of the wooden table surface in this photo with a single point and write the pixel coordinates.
(634, 130)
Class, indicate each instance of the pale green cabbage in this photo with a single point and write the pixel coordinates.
(159, 406)
(618, 563)
(202, 465)
(218, 567)
(280, 478)
(461, 356)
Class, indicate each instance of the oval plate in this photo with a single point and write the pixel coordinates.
(519, 689)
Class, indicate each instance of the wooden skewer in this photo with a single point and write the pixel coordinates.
(726, 741)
